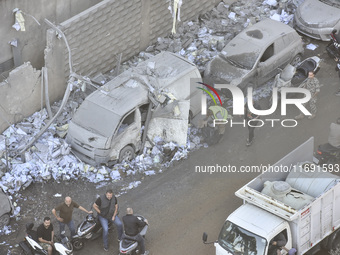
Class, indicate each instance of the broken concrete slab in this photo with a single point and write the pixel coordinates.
(170, 123)
(17, 102)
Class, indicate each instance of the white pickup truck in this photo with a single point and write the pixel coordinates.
(302, 204)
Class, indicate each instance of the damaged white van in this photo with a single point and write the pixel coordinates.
(112, 123)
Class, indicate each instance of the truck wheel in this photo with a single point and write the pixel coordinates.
(126, 154)
(336, 242)
(324, 244)
(296, 60)
(4, 220)
(78, 244)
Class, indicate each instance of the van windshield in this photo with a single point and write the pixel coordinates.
(96, 119)
(240, 241)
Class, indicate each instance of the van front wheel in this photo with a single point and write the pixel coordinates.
(126, 154)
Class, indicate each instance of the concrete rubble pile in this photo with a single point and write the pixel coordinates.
(202, 39)
(51, 158)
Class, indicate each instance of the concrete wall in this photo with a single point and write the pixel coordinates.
(96, 36)
(32, 42)
(19, 96)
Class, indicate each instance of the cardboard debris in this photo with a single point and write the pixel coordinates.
(50, 158)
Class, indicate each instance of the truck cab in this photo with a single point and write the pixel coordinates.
(251, 230)
(301, 204)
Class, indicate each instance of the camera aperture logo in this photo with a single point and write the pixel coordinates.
(220, 114)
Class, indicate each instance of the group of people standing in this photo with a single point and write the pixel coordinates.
(106, 207)
(312, 84)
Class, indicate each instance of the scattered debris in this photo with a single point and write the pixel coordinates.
(50, 157)
(202, 39)
(311, 46)
(199, 41)
(19, 20)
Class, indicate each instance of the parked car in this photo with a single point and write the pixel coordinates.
(6, 209)
(255, 55)
(317, 18)
(108, 126)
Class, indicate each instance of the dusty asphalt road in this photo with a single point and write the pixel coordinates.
(180, 204)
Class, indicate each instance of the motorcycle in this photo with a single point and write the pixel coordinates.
(292, 76)
(333, 48)
(327, 154)
(128, 245)
(89, 229)
(295, 76)
(31, 244)
(311, 64)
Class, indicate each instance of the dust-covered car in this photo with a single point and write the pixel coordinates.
(6, 209)
(255, 55)
(110, 124)
(318, 18)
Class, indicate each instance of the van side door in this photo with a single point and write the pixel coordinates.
(128, 132)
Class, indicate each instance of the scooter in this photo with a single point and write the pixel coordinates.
(89, 229)
(31, 246)
(303, 68)
(292, 76)
(295, 76)
(327, 154)
(128, 245)
(333, 48)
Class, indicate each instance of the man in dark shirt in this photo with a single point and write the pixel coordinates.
(132, 227)
(65, 214)
(107, 208)
(45, 235)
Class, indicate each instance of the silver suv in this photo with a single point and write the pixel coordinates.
(255, 55)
